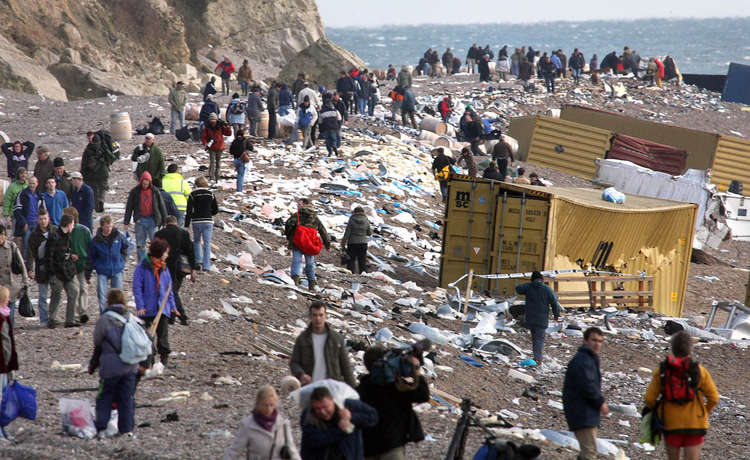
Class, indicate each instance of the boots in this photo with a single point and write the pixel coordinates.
(311, 284)
(164, 359)
(295, 278)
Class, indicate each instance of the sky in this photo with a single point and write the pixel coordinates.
(357, 13)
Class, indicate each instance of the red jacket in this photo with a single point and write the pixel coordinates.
(444, 107)
(227, 67)
(659, 67)
(216, 134)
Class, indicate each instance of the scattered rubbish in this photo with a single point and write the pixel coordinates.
(56, 366)
(471, 361)
(227, 380)
(528, 363)
(517, 375)
(228, 308)
(171, 417)
(209, 315)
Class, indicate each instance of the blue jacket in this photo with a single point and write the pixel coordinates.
(208, 108)
(539, 299)
(285, 96)
(55, 205)
(107, 255)
(26, 210)
(107, 346)
(146, 293)
(83, 201)
(318, 436)
(582, 390)
(236, 118)
(409, 103)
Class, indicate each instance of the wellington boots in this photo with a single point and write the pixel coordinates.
(311, 284)
(295, 278)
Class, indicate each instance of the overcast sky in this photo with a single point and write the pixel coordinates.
(343, 13)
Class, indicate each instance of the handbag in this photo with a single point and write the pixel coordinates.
(245, 157)
(307, 240)
(25, 308)
(185, 266)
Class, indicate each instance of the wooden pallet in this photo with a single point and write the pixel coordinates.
(599, 295)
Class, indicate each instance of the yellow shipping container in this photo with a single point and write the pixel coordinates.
(498, 227)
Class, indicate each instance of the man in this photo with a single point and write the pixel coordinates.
(471, 58)
(43, 169)
(95, 165)
(310, 93)
(166, 198)
(82, 198)
(363, 94)
(338, 102)
(107, 253)
(213, 141)
(472, 130)
(226, 69)
(180, 247)
(404, 79)
(80, 238)
(408, 107)
(179, 189)
(539, 299)
(320, 352)
(484, 68)
(12, 192)
(55, 201)
(502, 154)
(209, 89)
(582, 393)
(397, 424)
(441, 164)
(521, 178)
(330, 125)
(525, 71)
(555, 60)
(253, 110)
(576, 63)
(177, 101)
(235, 113)
(147, 209)
(345, 87)
(40, 270)
(548, 70)
(209, 107)
(62, 178)
(10, 255)
(305, 216)
(17, 155)
(272, 103)
(245, 76)
(534, 179)
(149, 158)
(62, 262)
(447, 59)
(25, 214)
(329, 431)
(390, 73)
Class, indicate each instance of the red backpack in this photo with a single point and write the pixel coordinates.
(679, 378)
(307, 240)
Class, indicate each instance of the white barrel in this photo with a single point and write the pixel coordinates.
(120, 126)
(427, 136)
(444, 141)
(446, 129)
(430, 124)
(192, 111)
(263, 124)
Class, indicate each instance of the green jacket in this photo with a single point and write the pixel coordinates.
(307, 218)
(404, 79)
(177, 99)
(79, 242)
(11, 193)
(154, 164)
(357, 230)
(338, 366)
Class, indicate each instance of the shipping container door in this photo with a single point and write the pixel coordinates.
(467, 235)
(520, 238)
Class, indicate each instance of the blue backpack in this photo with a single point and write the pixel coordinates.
(136, 344)
(305, 118)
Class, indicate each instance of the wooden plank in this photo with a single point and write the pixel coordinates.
(581, 279)
(605, 293)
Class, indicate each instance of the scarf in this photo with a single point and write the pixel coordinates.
(157, 264)
(147, 202)
(265, 422)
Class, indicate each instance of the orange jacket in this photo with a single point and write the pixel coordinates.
(216, 134)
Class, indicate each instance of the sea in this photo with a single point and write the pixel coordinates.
(704, 46)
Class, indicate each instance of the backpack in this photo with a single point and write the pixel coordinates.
(443, 174)
(110, 147)
(680, 378)
(305, 118)
(238, 108)
(155, 126)
(136, 344)
(182, 134)
(307, 240)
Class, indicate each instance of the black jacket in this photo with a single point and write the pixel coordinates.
(441, 161)
(240, 145)
(37, 251)
(492, 173)
(344, 85)
(397, 422)
(341, 107)
(201, 206)
(582, 390)
(179, 245)
(59, 255)
(133, 206)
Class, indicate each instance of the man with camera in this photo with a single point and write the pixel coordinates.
(320, 352)
(392, 396)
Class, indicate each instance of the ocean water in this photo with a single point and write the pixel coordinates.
(698, 45)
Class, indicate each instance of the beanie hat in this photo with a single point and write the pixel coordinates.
(58, 162)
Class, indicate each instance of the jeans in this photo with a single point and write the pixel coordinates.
(82, 303)
(371, 105)
(576, 75)
(12, 306)
(71, 292)
(244, 85)
(549, 83)
(202, 231)
(537, 342)
(361, 104)
(239, 165)
(214, 164)
(443, 188)
(180, 215)
(144, 229)
(470, 65)
(25, 243)
(118, 389)
(307, 137)
(333, 141)
(177, 118)
(297, 264)
(42, 303)
(103, 284)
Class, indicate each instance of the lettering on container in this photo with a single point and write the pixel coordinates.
(463, 199)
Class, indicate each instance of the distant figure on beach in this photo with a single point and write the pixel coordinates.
(447, 60)
(209, 89)
(471, 58)
(484, 68)
(226, 69)
(594, 64)
(390, 73)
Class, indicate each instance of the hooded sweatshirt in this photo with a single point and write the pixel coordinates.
(357, 230)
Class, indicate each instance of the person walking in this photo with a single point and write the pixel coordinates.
(107, 253)
(213, 141)
(404, 79)
(8, 354)
(304, 217)
(12, 192)
(208, 107)
(10, 256)
(117, 378)
(471, 58)
(152, 287)
(210, 89)
(245, 76)
(306, 118)
(265, 434)
(17, 156)
(540, 298)
(80, 238)
(95, 168)
(177, 102)
(148, 157)
(25, 214)
(330, 118)
(225, 69)
(178, 189)
(253, 109)
(345, 87)
(62, 177)
(236, 113)
(148, 211)
(583, 401)
(240, 150)
(441, 169)
(272, 103)
(201, 209)
(408, 107)
(55, 201)
(180, 261)
(548, 70)
(682, 394)
(356, 237)
(82, 198)
(62, 263)
(43, 169)
(40, 270)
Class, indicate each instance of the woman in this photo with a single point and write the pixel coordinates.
(236, 113)
(355, 240)
(152, 283)
(117, 377)
(201, 207)
(685, 422)
(10, 256)
(306, 119)
(264, 435)
(240, 145)
(8, 358)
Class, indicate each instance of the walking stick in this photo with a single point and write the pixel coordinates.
(155, 324)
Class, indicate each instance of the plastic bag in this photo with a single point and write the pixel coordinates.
(9, 408)
(648, 436)
(339, 390)
(611, 194)
(77, 418)
(25, 308)
(26, 400)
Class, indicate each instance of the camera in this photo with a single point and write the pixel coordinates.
(394, 366)
(210, 143)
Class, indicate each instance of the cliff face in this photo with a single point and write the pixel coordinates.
(87, 48)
